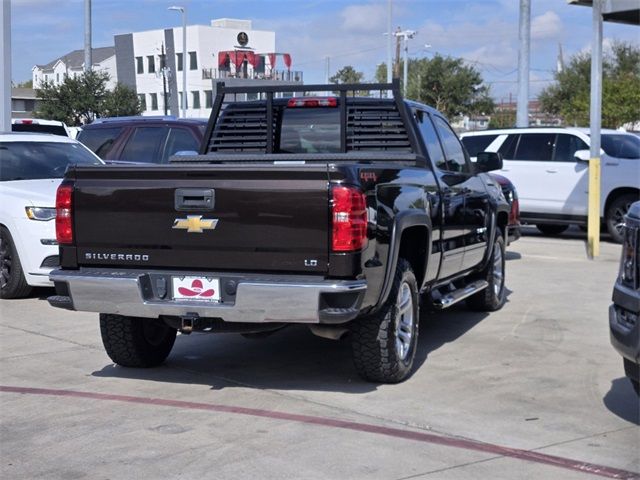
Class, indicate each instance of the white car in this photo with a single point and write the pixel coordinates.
(40, 125)
(31, 168)
(549, 167)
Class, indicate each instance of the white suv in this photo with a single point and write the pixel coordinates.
(549, 167)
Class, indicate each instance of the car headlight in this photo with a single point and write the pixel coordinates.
(629, 263)
(42, 214)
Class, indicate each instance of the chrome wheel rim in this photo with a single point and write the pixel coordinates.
(5, 262)
(404, 321)
(498, 269)
(618, 216)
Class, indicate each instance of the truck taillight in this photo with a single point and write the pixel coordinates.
(64, 214)
(349, 219)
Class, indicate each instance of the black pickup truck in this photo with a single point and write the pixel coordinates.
(336, 212)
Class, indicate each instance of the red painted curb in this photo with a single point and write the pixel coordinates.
(528, 455)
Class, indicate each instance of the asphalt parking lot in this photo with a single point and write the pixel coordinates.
(532, 391)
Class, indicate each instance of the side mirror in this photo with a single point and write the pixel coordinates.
(488, 161)
(582, 155)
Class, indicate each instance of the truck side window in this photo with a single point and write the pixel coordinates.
(455, 157)
(566, 146)
(99, 140)
(431, 140)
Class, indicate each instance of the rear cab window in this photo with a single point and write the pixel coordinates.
(310, 130)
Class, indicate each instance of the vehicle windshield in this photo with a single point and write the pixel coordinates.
(621, 146)
(310, 130)
(38, 160)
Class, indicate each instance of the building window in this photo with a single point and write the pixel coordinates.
(46, 77)
(208, 98)
(151, 63)
(193, 61)
(139, 65)
(154, 101)
(179, 60)
(181, 97)
(196, 99)
(57, 77)
(143, 101)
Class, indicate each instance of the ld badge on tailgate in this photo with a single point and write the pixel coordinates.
(195, 223)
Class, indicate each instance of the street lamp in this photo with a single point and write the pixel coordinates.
(183, 10)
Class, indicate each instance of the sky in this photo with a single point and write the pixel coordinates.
(350, 32)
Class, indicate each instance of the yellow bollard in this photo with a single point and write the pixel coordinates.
(593, 223)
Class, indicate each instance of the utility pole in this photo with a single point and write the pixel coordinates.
(389, 45)
(5, 63)
(396, 65)
(522, 114)
(88, 61)
(327, 69)
(163, 69)
(406, 35)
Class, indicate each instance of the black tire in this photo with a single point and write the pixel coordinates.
(384, 344)
(551, 228)
(614, 216)
(13, 284)
(494, 296)
(632, 371)
(136, 342)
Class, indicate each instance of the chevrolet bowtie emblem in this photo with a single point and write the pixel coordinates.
(195, 223)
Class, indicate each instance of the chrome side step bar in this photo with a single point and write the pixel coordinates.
(454, 297)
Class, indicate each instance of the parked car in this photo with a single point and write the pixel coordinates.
(549, 167)
(298, 213)
(142, 139)
(624, 313)
(511, 196)
(39, 125)
(31, 168)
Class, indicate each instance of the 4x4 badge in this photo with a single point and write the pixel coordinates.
(195, 223)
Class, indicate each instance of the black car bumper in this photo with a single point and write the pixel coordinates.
(624, 322)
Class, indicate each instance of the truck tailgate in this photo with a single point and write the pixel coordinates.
(260, 218)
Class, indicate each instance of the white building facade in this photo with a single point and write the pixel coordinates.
(72, 65)
(151, 62)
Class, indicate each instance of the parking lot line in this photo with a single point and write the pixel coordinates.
(527, 455)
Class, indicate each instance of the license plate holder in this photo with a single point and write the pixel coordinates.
(196, 289)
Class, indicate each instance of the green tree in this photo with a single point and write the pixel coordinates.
(446, 84)
(80, 100)
(122, 101)
(569, 96)
(347, 75)
(25, 84)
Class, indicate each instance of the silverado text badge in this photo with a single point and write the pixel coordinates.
(195, 223)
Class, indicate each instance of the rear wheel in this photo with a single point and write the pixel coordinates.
(13, 284)
(614, 216)
(136, 342)
(384, 344)
(551, 228)
(493, 297)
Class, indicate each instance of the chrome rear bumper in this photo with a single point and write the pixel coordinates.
(255, 299)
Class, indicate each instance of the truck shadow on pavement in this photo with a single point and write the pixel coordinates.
(290, 359)
(622, 400)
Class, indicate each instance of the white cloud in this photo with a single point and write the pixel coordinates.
(547, 26)
(370, 18)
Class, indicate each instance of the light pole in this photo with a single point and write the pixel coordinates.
(183, 10)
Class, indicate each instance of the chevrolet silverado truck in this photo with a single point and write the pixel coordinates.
(337, 212)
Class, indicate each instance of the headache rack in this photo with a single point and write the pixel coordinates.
(366, 125)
